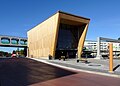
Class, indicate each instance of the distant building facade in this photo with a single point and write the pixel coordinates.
(92, 45)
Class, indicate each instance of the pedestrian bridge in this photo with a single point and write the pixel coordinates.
(12, 41)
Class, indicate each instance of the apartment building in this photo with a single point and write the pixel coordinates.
(91, 45)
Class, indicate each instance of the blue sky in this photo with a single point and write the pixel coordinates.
(19, 16)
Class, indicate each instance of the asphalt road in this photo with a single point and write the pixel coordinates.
(24, 72)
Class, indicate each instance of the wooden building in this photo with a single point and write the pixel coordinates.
(60, 35)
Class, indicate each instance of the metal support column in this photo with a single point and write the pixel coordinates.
(27, 52)
(98, 49)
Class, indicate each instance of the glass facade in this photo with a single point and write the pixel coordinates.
(68, 38)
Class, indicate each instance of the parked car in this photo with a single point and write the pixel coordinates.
(14, 54)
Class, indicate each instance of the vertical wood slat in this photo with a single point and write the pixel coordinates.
(42, 38)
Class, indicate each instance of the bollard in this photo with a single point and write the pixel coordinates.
(110, 57)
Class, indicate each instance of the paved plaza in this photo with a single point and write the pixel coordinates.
(95, 65)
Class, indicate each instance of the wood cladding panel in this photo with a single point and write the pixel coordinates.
(73, 18)
(41, 38)
(81, 41)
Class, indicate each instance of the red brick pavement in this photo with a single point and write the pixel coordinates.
(82, 79)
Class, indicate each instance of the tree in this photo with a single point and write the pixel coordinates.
(119, 38)
(21, 52)
(2, 53)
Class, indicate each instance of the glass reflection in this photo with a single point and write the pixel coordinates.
(68, 37)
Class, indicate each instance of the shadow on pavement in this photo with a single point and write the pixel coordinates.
(24, 71)
(116, 67)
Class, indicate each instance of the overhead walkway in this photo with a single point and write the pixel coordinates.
(12, 41)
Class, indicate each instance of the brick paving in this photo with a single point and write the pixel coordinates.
(82, 79)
